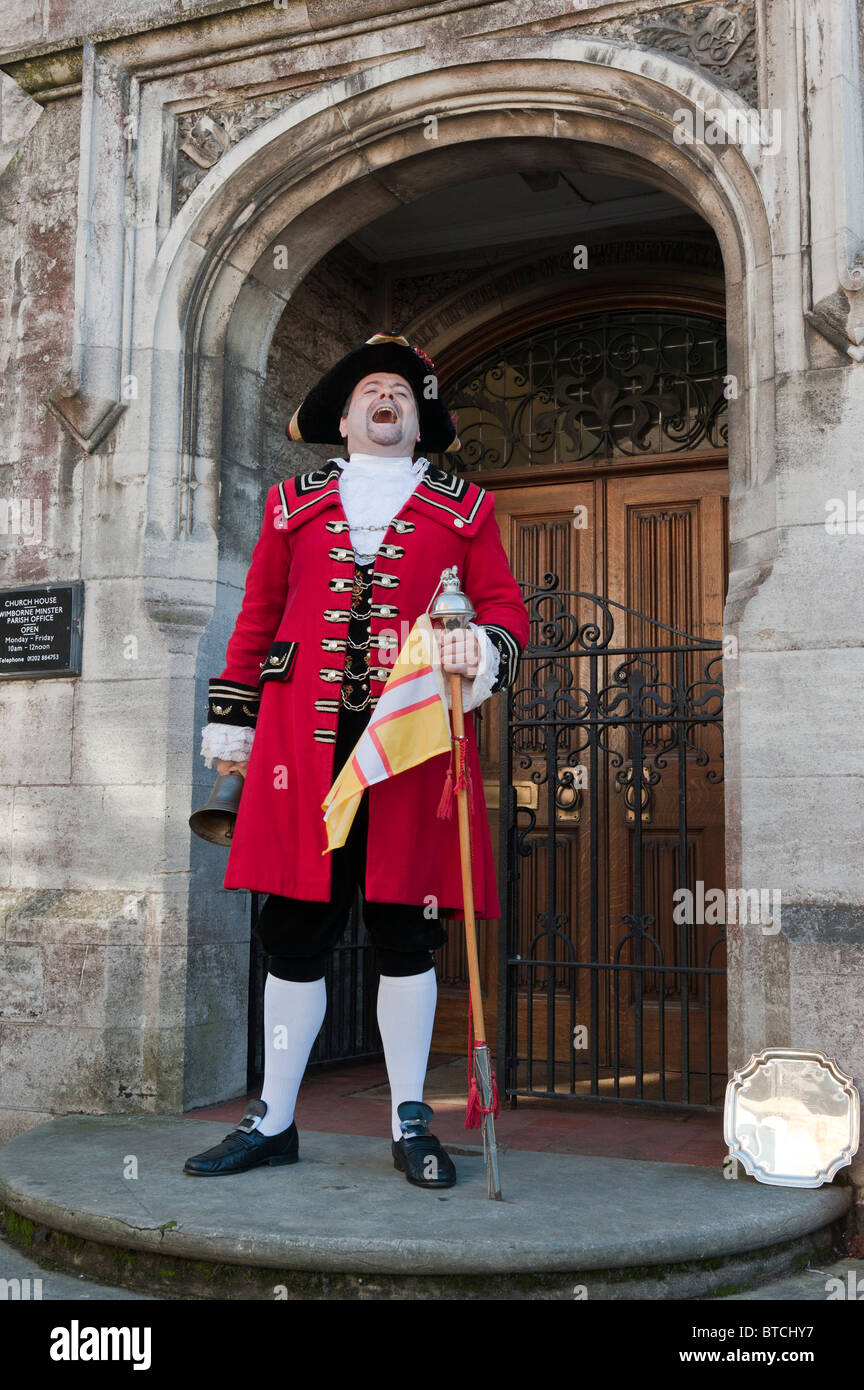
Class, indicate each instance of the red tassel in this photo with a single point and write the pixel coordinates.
(473, 1116)
(475, 1110)
(445, 805)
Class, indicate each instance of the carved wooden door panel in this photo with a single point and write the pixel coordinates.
(666, 540)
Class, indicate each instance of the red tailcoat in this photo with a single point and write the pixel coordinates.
(283, 674)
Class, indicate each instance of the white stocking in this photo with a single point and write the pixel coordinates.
(406, 1013)
(293, 1013)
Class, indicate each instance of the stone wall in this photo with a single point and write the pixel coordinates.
(46, 1032)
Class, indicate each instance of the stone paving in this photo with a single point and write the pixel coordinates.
(592, 1188)
(342, 1217)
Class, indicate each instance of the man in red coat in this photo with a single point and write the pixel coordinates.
(349, 556)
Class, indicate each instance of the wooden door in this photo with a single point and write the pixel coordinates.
(654, 541)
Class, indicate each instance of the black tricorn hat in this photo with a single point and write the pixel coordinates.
(316, 421)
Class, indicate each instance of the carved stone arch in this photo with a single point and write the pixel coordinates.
(347, 153)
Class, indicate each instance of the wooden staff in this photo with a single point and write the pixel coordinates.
(458, 716)
(455, 610)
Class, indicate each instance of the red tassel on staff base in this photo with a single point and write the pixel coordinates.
(473, 1116)
(475, 1109)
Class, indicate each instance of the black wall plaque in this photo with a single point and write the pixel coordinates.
(40, 631)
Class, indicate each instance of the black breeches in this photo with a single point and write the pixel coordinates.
(298, 935)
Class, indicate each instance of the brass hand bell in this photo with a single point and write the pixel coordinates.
(215, 821)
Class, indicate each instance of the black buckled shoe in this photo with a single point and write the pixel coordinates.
(418, 1154)
(244, 1148)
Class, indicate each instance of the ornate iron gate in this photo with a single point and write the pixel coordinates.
(610, 751)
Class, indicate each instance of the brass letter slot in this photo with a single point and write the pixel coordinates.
(526, 794)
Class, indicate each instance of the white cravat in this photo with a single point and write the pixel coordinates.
(373, 489)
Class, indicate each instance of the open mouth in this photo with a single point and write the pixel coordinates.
(384, 415)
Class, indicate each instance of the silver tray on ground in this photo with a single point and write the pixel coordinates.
(791, 1117)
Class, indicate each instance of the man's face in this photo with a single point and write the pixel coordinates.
(381, 417)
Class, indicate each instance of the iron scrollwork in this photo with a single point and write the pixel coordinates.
(613, 386)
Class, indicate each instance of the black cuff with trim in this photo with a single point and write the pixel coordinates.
(230, 703)
(509, 651)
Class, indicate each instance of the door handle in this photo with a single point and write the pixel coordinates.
(624, 782)
(568, 796)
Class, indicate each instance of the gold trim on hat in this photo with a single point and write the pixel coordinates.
(387, 338)
(293, 430)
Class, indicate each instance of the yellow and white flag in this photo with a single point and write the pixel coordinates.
(409, 724)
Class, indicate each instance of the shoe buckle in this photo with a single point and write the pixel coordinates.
(249, 1122)
(412, 1129)
(414, 1117)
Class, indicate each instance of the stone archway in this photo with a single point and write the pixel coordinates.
(355, 155)
(304, 180)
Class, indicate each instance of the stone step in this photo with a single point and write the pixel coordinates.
(106, 1196)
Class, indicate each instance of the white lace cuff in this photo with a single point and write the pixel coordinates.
(475, 691)
(231, 742)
